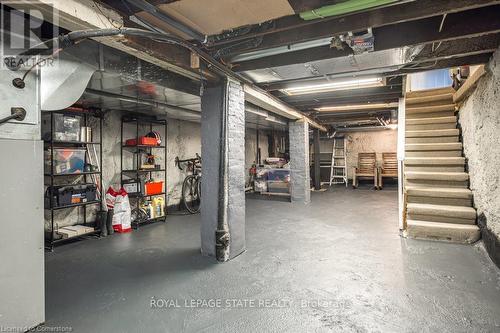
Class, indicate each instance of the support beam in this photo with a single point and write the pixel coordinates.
(305, 106)
(469, 84)
(317, 161)
(291, 29)
(299, 161)
(268, 102)
(223, 186)
(479, 23)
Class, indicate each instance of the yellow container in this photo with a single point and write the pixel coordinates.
(159, 206)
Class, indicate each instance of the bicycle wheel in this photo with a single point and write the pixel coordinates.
(198, 188)
(190, 194)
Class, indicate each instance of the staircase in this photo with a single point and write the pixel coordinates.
(439, 201)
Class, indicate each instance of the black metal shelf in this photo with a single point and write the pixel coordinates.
(140, 125)
(143, 146)
(138, 195)
(94, 202)
(143, 171)
(50, 145)
(73, 174)
(69, 142)
(143, 121)
(50, 245)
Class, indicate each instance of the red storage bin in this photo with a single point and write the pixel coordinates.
(143, 140)
(153, 188)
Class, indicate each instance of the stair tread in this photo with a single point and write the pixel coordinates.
(435, 161)
(443, 225)
(430, 133)
(446, 192)
(434, 146)
(430, 98)
(437, 175)
(441, 210)
(429, 92)
(431, 120)
(431, 108)
(452, 232)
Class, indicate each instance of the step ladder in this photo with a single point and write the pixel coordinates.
(338, 167)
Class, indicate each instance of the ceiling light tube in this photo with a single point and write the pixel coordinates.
(372, 106)
(336, 85)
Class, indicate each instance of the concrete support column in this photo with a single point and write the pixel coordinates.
(223, 184)
(317, 161)
(299, 161)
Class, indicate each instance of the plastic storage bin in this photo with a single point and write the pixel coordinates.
(279, 175)
(66, 127)
(153, 188)
(65, 160)
(143, 140)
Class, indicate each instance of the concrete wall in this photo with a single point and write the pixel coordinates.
(479, 118)
(365, 142)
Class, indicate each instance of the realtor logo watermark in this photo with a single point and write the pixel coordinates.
(24, 26)
(243, 303)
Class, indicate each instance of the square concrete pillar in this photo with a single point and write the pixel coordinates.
(223, 169)
(298, 133)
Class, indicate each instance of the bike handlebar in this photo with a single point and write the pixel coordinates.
(194, 160)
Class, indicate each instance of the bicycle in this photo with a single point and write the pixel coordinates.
(191, 187)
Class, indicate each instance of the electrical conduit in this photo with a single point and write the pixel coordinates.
(342, 8)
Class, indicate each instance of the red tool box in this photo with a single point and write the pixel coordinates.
(143, 140)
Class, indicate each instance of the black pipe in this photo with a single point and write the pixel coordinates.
(154, 11)
(67, 40)
(16, 114)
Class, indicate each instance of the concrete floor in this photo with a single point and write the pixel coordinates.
(335, 265)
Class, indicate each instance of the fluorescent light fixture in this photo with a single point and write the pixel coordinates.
(336, 85)
(356, 107)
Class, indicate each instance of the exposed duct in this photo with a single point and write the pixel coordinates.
(154, 11)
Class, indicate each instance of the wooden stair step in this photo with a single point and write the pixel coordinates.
(432, 133)
(433, 146)
(434, 153)
(432, 120)
(434, 139)
(430, 92)
(443, 176)
(434, 161)
(429, 127)
(446, 97)
(427, 115)
(457, 233)
(431, 108)
(466, 213)
(440, 192)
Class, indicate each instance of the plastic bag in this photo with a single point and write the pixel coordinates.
(110, 197)
(121, 209)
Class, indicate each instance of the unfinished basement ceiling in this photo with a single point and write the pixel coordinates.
(375, 62)
(213, 16)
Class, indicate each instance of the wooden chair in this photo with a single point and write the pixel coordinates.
(389, 167)
(367, 168)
